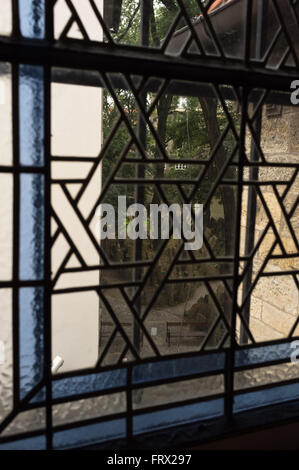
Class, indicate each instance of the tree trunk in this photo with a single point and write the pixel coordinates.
(209, 108)
(163, 111)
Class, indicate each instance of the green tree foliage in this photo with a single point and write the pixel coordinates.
(182, 126)
(188, 128)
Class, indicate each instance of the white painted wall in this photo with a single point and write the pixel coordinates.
(5, 16)
(76, 132)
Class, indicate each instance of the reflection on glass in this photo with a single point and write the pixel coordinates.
(31, 227)
(32, 18)
(31, 337)
(6, 372)
(31, 115)
(178, 391)
(89, 408)
(32, 443)
(270, 396)
(6, 233)
(5, 114)
(33, 419)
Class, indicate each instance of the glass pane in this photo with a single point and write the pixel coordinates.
(32, 227)
(179, 391)
(33, 420)
(187, 314)
(5, 114)
(90, 408)
(163, 154)
(6, 368)
(31, 115)
(184, 29)
(260, 354)
(5, 17)
(266, 375)
(32, 18)
(32, 443)
(123, 19)
(6, 233)
(31, 338)
(260, 398)
(89, 383)
(178, 367)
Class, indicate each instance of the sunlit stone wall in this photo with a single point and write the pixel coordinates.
(275, 300)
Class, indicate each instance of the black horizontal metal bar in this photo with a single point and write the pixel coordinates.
(158, 181)
(68, 290)
(286, 256)
(176, 356)
(177, 404)
(256, 182)
(19, 283)
(173, 380)
(128, 59)
(269, 164)
(138, 362)
(151, 161)
(64, 181)
(261, 365)
(218, 277)
(115, 266)
(159, 161)
(21, 169)
(73, 159)
(21, 436)
(155, 181)
(262, 344)
(267, 386)
(135, 412)
(221, 259)
(122, 389)
(279, 273)
(207, 162)
(77, 396)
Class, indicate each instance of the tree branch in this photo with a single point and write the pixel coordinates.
(170, 5)
(130, 22)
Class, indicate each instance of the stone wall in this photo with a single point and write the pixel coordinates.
(275, 300)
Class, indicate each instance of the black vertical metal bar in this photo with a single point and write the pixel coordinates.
(47, 248)
(15, 18)
(248, 32)
(49, 21)
(229, 376)
(47, 239)
(146, 9)
(129, 417)
(261, 38)
(230, 363)
(16, 233)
